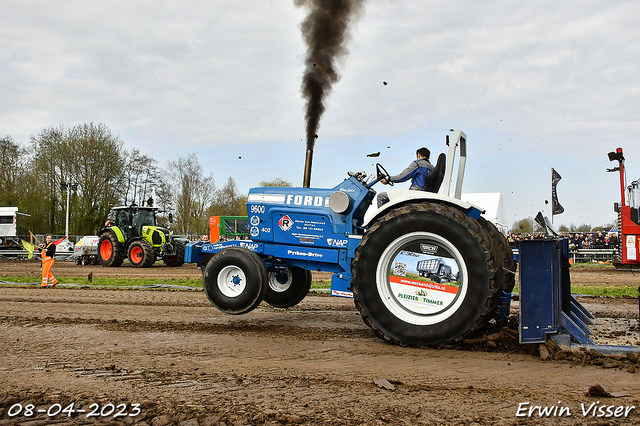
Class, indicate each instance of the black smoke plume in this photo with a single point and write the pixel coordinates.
(325, 30)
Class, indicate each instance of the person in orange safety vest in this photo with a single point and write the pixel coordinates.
(47, 254)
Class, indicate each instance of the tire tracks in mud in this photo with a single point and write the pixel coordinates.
(159, 301)
(236, 328)
(192, 314)
(101, 302)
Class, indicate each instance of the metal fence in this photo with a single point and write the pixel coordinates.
(586, 255)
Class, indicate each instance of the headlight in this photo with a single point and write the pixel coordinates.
(339, 202)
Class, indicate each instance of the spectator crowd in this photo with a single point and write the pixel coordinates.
(577, 240)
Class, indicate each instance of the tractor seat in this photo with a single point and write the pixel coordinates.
(435, 177)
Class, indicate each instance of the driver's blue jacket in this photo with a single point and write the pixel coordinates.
(417, 171)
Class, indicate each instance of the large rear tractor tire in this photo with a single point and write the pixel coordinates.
(406, 309)
(110, 251)
(509, 264)
(178, 258)
(235, 280)
(141, 254)
(287, 287)
(498, 271)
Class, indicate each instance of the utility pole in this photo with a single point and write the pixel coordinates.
(64, 186)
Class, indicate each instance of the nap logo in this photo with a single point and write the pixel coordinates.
(285, 223)
(337, 243)
(255, 220)
(250, 246)
(428, 248)
(254, 231)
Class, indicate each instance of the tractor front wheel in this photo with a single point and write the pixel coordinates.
(178, 258)
(287, 287)
(110, 251)
(235, 280)
(141, 254)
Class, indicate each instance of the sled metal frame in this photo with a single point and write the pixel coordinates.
(547, 308)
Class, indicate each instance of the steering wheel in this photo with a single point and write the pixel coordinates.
(383, 174)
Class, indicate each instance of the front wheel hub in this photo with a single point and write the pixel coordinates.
(231, 281)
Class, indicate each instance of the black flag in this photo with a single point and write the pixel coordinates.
(555, 178)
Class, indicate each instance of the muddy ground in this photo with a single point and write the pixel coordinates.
(186, 363)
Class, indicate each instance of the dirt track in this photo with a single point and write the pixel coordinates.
(317, 363)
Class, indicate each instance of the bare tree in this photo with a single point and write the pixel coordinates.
(13, 171)
(99, 172)
(89, 155)
(48, 146)
(20, 185)
(522, 226)
(229, 201)
(193, 193)
(141, 175)
(275, 182)
(583, 228)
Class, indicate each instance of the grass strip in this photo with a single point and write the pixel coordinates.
(592, 265)
(620, 291)
(627, 291)
(112, 282)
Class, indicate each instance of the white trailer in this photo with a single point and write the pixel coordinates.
(86, 251)
(8, 234)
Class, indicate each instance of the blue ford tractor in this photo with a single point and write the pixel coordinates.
(372, 253)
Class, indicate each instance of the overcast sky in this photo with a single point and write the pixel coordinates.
(534, 85)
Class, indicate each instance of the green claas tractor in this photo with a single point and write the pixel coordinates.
(131, 232)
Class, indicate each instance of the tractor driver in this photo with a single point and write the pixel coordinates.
(123, 219)
(142, 218)
(417, 171)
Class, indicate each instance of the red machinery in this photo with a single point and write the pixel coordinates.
(627, 255)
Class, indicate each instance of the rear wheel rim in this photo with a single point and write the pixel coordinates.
(231, 281)
(280, 281)
(431, 303)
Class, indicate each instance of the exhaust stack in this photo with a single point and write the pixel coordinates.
(325, 31)
(307, 169)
